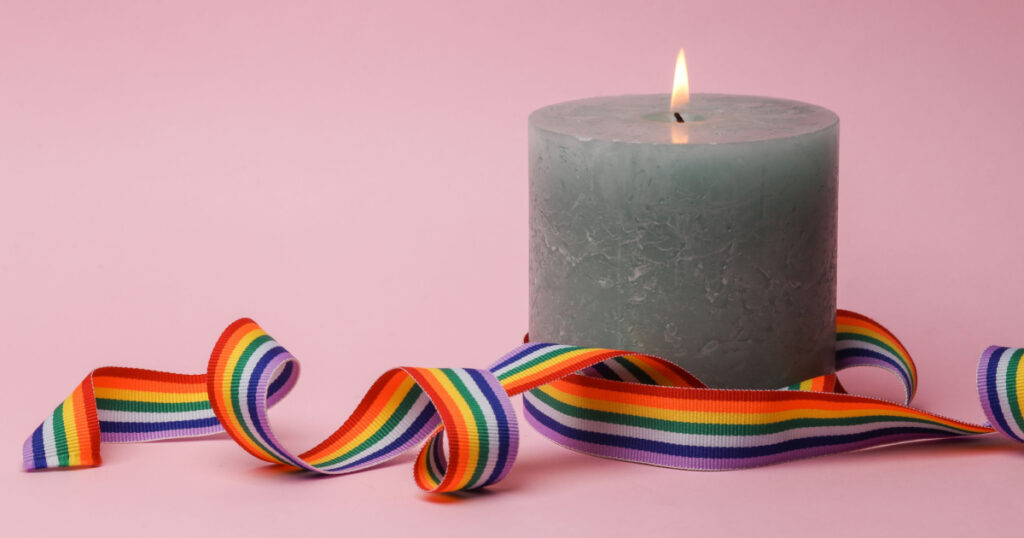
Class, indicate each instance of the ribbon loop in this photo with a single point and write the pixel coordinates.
(479, 423)
(862, 341)
(405, 406)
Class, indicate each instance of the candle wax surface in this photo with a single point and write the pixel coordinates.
(710, 119)
(710, 243)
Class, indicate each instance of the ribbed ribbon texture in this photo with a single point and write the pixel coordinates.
(608, 403)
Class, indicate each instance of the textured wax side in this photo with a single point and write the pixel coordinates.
(718, 257)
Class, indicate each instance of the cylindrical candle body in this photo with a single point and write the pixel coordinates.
(710, 243)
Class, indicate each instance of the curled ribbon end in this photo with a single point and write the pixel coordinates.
(999, 376)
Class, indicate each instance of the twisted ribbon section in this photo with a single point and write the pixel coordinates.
(608, 403)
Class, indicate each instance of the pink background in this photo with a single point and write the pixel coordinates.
(354, 178)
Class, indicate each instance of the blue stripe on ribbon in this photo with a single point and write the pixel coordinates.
(437, 453)
(108, 426)
(39, 448)
(281, 379)
(606, 371)
(503, 430)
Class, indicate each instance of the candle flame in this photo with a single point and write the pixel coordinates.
(681, 85)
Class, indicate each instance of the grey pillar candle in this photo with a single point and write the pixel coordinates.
(711, 243)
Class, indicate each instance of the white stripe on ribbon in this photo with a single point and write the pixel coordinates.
(107, 415)
(50, 443)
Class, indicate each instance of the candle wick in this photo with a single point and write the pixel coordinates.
(679, 117)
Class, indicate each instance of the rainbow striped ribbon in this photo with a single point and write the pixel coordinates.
(608, 403)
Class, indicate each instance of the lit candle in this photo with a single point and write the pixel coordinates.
(700, 228)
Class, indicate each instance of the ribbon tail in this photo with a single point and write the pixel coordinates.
(120, 405)
(69, 437)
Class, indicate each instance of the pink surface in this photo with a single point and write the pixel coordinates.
(354, 178)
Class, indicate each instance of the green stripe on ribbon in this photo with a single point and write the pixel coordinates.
(1011, 386)
(108, 404)
(60, 438)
